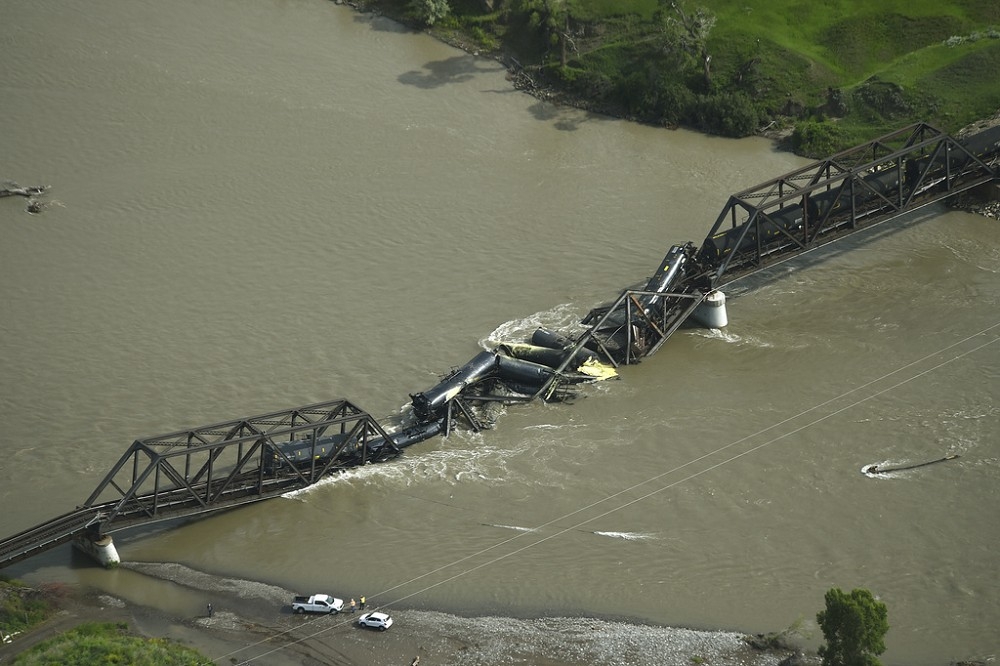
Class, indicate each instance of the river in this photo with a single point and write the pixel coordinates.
(265, 204)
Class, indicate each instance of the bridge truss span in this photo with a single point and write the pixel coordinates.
(236, 462)
(852, 190)
(216, 467)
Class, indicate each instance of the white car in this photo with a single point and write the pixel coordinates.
(375, 620)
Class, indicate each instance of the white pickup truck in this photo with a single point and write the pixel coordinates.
(317, 603)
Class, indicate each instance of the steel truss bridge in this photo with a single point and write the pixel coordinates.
(237, 462)
(214, 467)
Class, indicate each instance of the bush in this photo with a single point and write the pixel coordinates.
(633, 93)
(729, 114)
(591, 84)
(882, 99)
(816, 139)
(854, 626)
(673, 102)
(485, 41)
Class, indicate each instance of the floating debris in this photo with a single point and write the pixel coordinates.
(9, 188)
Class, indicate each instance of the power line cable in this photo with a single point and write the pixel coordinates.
(657, 477)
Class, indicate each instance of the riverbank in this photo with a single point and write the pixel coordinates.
(843, 120)
(252, 623)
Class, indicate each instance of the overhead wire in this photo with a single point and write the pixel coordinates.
(657, 477)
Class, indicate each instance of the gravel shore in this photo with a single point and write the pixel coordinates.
(252, 624)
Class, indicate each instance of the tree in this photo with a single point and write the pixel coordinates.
(854, 626)
(429, 11)
(551, 18)
(686, 32)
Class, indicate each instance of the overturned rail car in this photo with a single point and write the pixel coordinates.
(639, 321)
(500, 376)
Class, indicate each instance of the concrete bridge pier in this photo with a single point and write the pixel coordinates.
(712, 311)
(101, 547)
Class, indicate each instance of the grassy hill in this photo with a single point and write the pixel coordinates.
(839, 72)
(892, 62)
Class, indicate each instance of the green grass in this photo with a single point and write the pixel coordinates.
(93, 644)
(974, 73)
(601, 10)
(21, 607)
(96, 644)
(810, 45)
(862, 67)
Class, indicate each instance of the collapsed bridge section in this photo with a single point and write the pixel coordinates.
(621, 332)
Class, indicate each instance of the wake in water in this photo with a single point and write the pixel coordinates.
(719, 334)
(516, 528)
(881, 469)
(624, 536)
(628, 536)
(740, 340)
(463, 462)
(555, 426)
(564, 317)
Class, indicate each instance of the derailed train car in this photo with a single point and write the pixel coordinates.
(492, 376)
(499, 376)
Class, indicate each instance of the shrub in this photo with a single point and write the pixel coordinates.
(816, 139)
(673, 102)
(854, 626)
(591, 84)
(729, 114)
